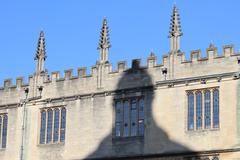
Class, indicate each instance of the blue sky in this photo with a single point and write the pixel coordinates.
(137, 27)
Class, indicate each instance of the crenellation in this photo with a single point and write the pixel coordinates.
(211, 52)
(152, 60)
(136, 63)
(82, 72)
(122, 65)
(55, 76)
(68, 74)
(108, 67)
(165, 59)
(30, 79)
(19, 82)
(195, 55)
(181, 57)
(228, 50)
(7, 83)
(93, 71)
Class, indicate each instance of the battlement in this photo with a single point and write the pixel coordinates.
(196, 59)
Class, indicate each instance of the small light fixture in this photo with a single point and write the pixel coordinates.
(26, 90)
(40, 89)
(164, 72)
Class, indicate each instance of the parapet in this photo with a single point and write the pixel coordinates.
(195, 58)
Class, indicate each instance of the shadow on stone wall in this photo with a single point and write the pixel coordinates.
(155, 142)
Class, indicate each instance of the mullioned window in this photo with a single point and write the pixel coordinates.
(203, 109)
(53, 125)
(129, 117)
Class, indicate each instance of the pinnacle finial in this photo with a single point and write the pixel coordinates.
(40, 54)
(104, 43)
(41, 51)
(175, 27)
(211, 45)
(104, 36)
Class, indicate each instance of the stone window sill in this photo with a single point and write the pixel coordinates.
(51, 144)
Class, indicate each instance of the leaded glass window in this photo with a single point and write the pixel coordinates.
(129, 117)
(126, 119)
(215, 108)
(63, 125)
(190, 111)
(119, 118)
(49, 125)
(3, 130)
(52, 125)
(207, 109)
(43, 127)
(56, 125)
(198, 110)
(203, 109)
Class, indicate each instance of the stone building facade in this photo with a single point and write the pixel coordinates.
(177, 110)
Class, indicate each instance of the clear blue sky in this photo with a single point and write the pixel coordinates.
(136, 27)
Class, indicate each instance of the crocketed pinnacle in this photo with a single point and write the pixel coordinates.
(41, 51)
(175, 27)
(104, 36)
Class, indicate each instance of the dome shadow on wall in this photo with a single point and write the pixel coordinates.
(155, 143)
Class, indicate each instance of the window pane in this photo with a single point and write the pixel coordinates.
(43, 127)
(126, 119)
(119, 112)
(207, 109)
(4, 132)
(119, 118)
(141, 127)
(133, 117)
(198, 110)
(118, 129)
(56, 125)
(190, 111)
(216, 108)
(141, 109)
(63, 125)
(49, 125)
